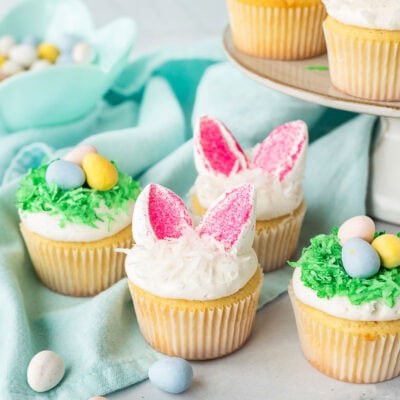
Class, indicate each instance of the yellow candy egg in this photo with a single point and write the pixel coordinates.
(48, 51)
(2, 60)
(100, 173)
(388, 248)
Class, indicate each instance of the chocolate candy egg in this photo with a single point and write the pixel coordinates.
(359, 258)
(23, 54)
(45, 371)
(361, 226)
(65, 174)
(100, 173)
(388, 248)
(48, 51)
(6, 44)
(83, 53)
(77, 154)
(172, 375)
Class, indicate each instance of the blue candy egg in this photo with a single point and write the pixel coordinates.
(64, 59)
(360, 260)
(172, 375)
(65, 42)
(65, 174)
(31, 40)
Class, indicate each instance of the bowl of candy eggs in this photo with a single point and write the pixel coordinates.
(55, 66)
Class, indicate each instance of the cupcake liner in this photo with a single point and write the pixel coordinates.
(363, 62)
(352, 351)
(78, 268)
(197, 330)
(283, 33)
(275, 241)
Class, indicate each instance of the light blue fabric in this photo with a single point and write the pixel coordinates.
(145, 125)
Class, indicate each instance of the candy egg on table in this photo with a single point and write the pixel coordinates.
(45, 371)
(172, 375)
(100, 173)
(7, 42)
(77, 154)
(388, 248)
(65, 174)
(359, 258)
(360, 226)
(23, 54)
(48, 51)
(83, 53)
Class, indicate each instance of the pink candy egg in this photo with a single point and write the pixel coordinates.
(77, 154)
(362, 227)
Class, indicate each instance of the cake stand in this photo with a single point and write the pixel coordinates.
(295, 78)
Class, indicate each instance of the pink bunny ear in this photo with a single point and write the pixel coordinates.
(159, 214)
(282, 150)
(231, 219)
(215, 148)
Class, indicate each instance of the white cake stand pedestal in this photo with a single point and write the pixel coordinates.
(295, 78)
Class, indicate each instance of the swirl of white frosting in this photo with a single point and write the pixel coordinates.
(190, 267)
(273, 198)
(340, 306)
(373, 14)
(48, 225)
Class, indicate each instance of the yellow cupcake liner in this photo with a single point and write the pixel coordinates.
(78, 268)
(363, 62)
(275, 240)
(351, 351)
(282, 33)
(197, 330)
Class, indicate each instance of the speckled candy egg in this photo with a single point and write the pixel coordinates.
(10, 67)
(77, 154)
(23, 54)
(65, 174)
(388, 248)
(6, 44)
(360, 260)
(39, 65)
(100, 173)
(83, 53)
(172, 375)
(45, 371)
(48, 51)
(361, 226)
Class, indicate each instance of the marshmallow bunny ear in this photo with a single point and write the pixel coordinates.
(283, 150)
(159, 214)
(215, 149)
(231, 219)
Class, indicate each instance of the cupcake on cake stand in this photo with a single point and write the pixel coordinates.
(309, 80)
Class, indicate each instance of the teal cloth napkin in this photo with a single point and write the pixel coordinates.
(145, 125)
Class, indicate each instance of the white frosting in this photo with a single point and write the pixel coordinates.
(48, 225)
(190, 267)
(340, 306)
(273, 198)
(373, 14)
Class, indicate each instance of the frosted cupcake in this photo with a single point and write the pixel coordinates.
(195, 290)
(363, 37)
(275, 167)
(346, 299)
(74, 213)
(278, 29)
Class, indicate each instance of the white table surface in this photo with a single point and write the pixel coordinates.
(270, 366)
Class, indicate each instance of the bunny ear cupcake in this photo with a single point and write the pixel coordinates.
(195, 290)
(74, 212)
(275, 167)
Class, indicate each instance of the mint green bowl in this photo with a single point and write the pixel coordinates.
(61, 94)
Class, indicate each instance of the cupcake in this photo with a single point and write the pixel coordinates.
(362, 39)
(278, 29)
(345, 294)
(195, 290)
(275, 167)
(74, 212)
